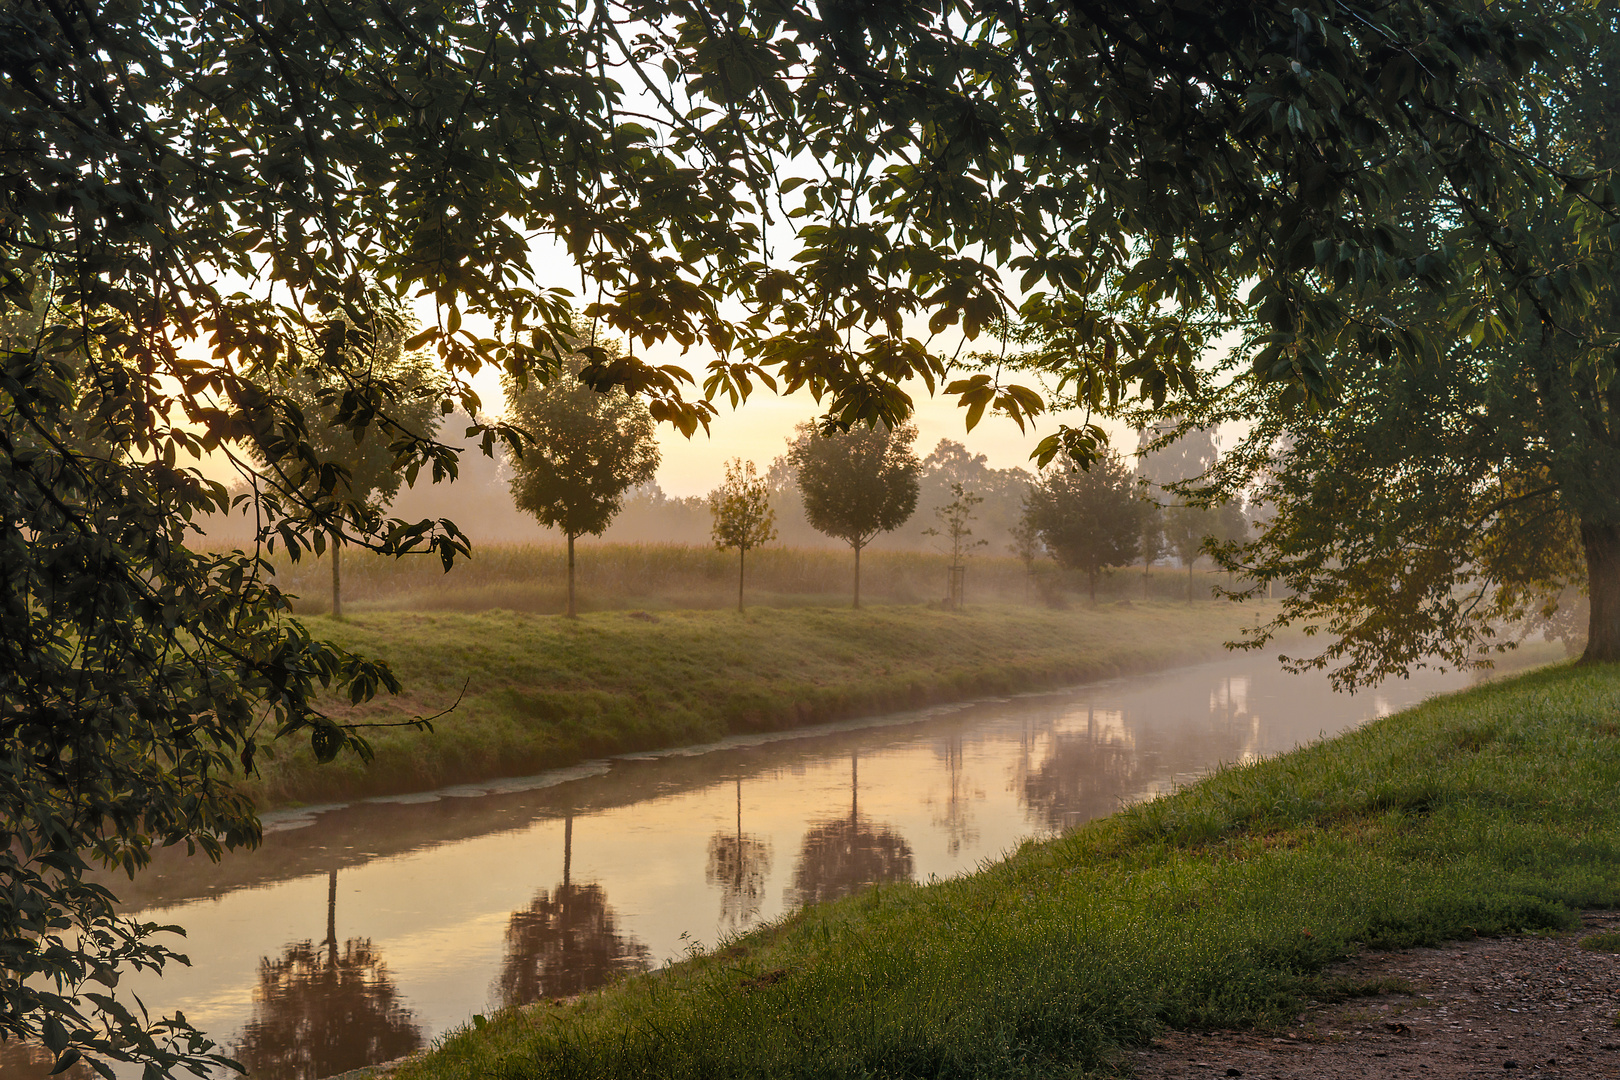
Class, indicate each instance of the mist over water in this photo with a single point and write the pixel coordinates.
(409, 915)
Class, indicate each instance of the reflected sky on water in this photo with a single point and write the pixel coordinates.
(360, 933)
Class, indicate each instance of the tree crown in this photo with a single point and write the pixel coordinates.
(856, 483)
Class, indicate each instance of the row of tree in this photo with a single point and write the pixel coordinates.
(590, 448)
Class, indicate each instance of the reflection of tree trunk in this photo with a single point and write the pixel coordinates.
(1602, 544)
(570, 575)
(331, 919)
(337, 580)
(568, 848)
(854, 785)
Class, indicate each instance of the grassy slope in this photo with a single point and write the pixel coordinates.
(544, 692)
(1490, 811)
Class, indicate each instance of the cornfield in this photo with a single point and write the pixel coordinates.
(611, 576)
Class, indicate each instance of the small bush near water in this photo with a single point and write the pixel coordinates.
(1482, 813)
(533, 578)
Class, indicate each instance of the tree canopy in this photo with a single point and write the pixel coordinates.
(366, 460)
(588, 448)
(1089, 518)
(1440, 504)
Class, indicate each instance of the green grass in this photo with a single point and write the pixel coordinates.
(543, 692)
(1220, 905)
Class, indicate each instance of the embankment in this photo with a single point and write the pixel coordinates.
(544, 692)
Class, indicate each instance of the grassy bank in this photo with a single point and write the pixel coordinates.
(543, 692)
(1486, 812)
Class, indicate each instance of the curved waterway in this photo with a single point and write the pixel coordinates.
(359, 933)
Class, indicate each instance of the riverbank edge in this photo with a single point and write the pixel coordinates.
(488, 738)
(1218, 906)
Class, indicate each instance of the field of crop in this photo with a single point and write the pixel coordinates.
(661, 577)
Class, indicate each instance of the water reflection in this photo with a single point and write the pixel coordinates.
(1083, 774)
(566, 942)
(739, 865)
(841, 856)
(318, 1011)
(432, 882)
(953, 814)
(32, 1061)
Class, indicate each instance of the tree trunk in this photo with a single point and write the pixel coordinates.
(571, 575)
(1189, 580)
(857, 548)
(1602, 544)
(1092, 576)
(742, 559)
(337, 581)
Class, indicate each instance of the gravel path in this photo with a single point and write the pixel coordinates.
(1491, 1007)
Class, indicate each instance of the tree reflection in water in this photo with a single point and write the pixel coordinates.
(954, 813)
(738, 864)
(1084, 775)
(839, 857)
(566, 942)
(318, 1012)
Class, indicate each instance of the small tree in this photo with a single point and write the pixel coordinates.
(742, 512)
(1089, 518)
(588, 448)
(856, 483)
(954, 518)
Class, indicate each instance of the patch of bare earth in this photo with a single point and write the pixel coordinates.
(1490, 1007)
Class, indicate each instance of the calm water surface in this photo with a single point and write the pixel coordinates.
(358, 934)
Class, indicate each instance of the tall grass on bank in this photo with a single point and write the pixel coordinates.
(533, 578)
(543, 692)
(1220, 905)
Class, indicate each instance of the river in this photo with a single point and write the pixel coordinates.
(359, 933)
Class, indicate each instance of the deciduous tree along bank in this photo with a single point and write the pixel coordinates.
(857, 483)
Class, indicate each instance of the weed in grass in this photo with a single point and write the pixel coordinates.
(1608, 941)
(1339, 988)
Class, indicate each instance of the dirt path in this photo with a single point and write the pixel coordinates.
(1494, 1007)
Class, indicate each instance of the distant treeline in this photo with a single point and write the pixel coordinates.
(614, 576)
